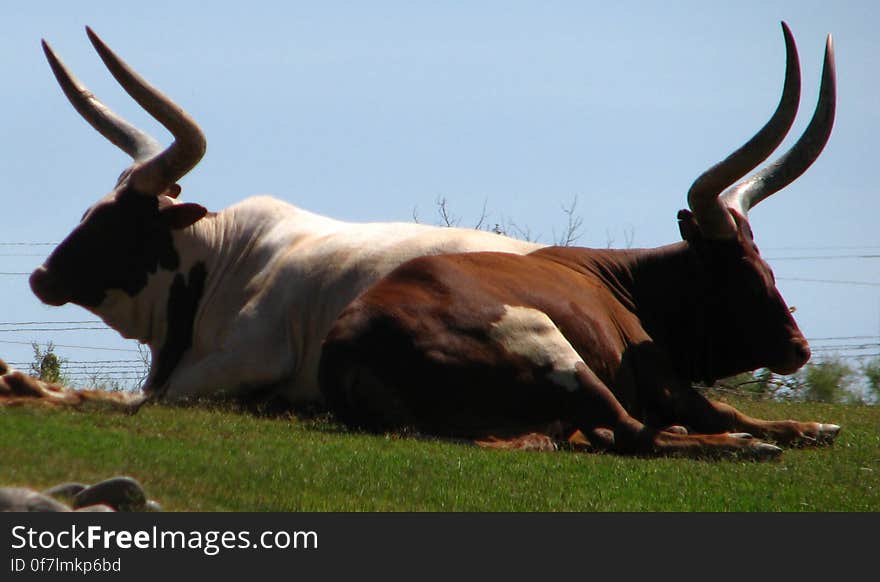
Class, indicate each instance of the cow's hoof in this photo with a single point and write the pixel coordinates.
(676, 429)
(765, 451)
(740, 435)
(827, 433)
(824, 434)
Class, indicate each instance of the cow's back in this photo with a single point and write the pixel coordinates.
(313, 267)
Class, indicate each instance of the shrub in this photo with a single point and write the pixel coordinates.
(871, 372)
(828, 380)
(46, 365)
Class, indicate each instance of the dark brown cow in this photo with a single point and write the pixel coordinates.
(604, 345)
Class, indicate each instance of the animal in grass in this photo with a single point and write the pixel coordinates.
(601, 347)
(17, 388)
(233, 304)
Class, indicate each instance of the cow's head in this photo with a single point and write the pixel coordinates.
(126, 235)
(748, 324)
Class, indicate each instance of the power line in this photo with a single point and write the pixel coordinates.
(854, 347)
(116, 370)
(103, 376)
(72, 346)
(822, 257)
(845, 337)
(830, 281)
(85, 321)
(91, 362)
(109, 368)
(824, 248)
(31, 329)
(28, 244)
(103, 371)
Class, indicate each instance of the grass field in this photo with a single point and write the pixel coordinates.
(210, 460)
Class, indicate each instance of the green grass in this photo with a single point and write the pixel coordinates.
(211, 460)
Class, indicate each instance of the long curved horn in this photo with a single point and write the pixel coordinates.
(157, 173)
(137, 144)
(802, 154)
(711, 214)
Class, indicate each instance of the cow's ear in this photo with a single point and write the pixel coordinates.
(688, 227)
(173, 191)
(177, 216)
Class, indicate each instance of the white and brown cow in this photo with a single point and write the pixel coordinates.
(232, 304)
(597, 346)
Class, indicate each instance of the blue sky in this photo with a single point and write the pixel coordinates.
(373, 110)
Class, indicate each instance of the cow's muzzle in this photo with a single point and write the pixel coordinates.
(47, 287)
(799, 354)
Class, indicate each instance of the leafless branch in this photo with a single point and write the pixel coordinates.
(146, 360)
(629, 236)
(447, 218)
(523, 233)
(483, 216)
(573, 225)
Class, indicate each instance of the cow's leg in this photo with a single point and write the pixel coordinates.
(591, 406)
(708, 416)
(379, 371)
(221, 375)
(249, 359)
(598, 409)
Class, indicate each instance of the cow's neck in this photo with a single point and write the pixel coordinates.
(668, 290)
(662, 288)
(218, 259)
(163, 314)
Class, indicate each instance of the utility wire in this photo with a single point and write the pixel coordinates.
(33, 329)
(846, 337)
(28, 244)
(830, 281)
(98, 362)
(822, 257)
(824, 248)
(95, 321)
(73, 347)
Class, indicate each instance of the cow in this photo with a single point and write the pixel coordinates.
(232, 304)
(597, 348)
